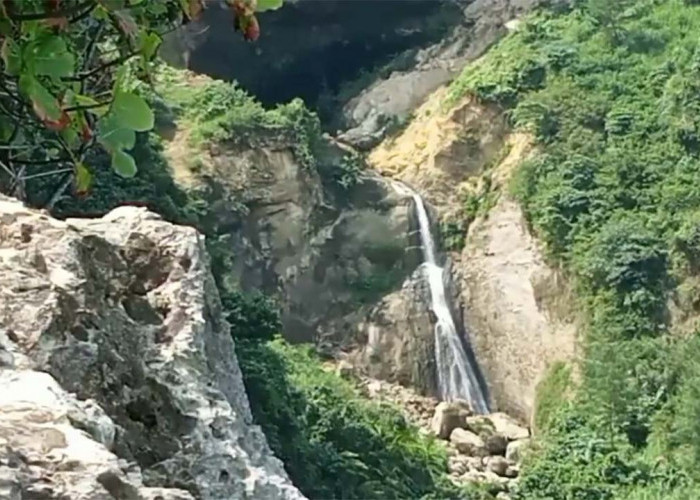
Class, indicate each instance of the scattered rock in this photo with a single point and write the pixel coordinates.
(496, 444)
(457, 465)
(498, 465)
(512, 471)
(508, 426)
(481, 425)
(475, 463)
(448, 417)
(516, 449)
(468, 443)
(344, 369)
(471, 457)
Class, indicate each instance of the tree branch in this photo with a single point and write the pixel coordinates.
(50, 14)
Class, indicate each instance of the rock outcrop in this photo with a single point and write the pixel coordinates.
(373, 113)
(118, 373)
(396, 339)
(343, 262)
(516, 307)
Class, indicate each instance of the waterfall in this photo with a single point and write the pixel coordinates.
(457, 377)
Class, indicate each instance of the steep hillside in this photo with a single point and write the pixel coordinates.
(609, 92)
(461, 157)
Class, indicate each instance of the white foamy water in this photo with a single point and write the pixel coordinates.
(456, 376)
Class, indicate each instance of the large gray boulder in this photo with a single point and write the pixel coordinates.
(468, 443)
(117, 369)
(448, 417)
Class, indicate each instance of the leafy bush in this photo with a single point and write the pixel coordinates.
(215, 111)
(335, 444)
(252, 316)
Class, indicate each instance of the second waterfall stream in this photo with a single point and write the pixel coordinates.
(457, 377)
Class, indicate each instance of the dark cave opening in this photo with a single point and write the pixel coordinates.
(322, 51)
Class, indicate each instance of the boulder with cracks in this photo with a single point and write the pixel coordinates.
(118, 372)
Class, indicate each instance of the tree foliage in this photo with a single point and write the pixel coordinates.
(334, 443)
(610, 92)
(69, 78)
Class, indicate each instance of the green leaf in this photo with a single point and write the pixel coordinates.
(132, 111)
(114, 136)
(264, 5)
(44, 103)
(123, 164)
(70, 136)
(10, 54)
(83, 178)
(94, 107)
(120, 79)
(112, 5)
(49, 56)
(149, 44)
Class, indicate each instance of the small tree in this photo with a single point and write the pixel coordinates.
(608, 14)
(68, 81)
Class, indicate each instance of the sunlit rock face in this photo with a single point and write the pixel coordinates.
(118, 373)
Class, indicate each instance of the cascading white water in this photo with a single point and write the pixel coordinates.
(456, 376)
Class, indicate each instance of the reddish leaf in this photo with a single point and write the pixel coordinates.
(242, 9)
(60, 22)
(85, 131)
(127, 24)
(252, 31)
(57, 125)
(245, 20)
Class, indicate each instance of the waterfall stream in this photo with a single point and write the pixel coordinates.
(457, 377)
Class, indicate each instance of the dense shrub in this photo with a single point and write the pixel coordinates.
(611, 92)
(335, 444)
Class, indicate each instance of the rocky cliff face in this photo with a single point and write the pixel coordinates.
(118, 373)
(480, 23)
(342, 261)
(514, 307)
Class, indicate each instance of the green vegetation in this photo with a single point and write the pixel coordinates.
(335, 444)
(213, 111)
(68, 75)
(551, 395)
(610, 90)
(476, 203)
